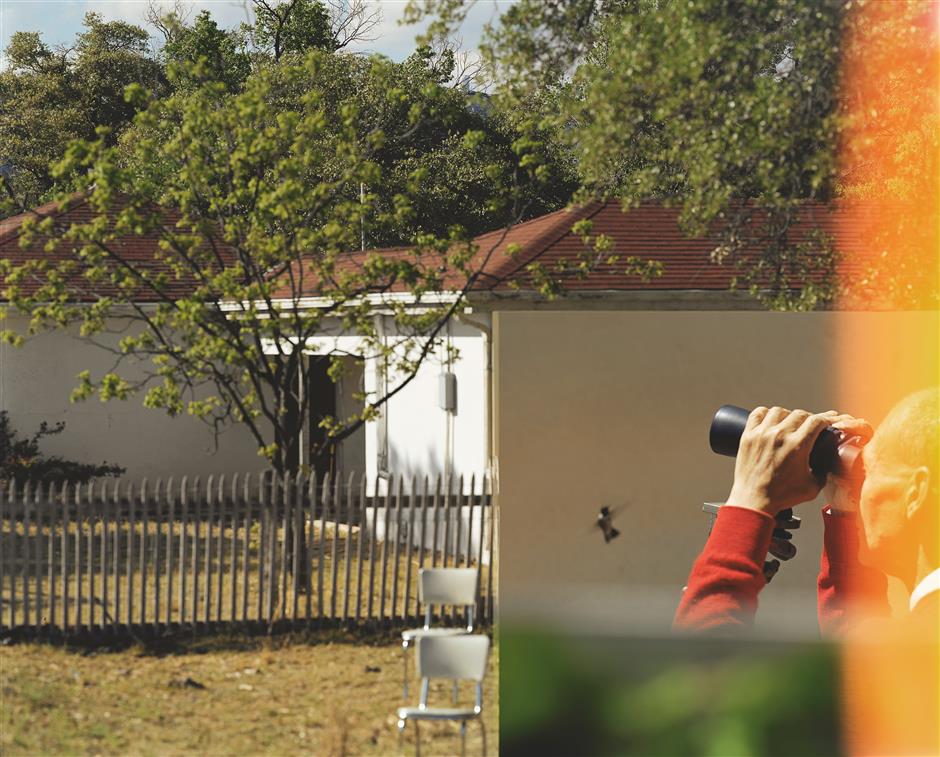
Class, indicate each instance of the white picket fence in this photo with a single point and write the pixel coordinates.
(262, 549)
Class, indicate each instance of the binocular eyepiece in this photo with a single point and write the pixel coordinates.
(833, 452)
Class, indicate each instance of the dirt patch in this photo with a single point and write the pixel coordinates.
(325, 696)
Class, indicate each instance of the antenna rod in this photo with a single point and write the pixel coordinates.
(362, 217)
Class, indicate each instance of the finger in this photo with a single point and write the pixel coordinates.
(853, 426)
(774, 416)
(812, 426)
(794, 420)
(770, 569)
(755, 417)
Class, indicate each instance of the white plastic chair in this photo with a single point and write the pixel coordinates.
(458, 658)
(441, 586)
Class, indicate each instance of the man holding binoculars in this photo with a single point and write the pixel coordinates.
(880, 521)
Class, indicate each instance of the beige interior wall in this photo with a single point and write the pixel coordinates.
(613, 408)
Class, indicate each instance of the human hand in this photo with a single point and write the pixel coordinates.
(772, 472)
(842, 494)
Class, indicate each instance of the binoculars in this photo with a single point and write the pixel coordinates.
(833, 452)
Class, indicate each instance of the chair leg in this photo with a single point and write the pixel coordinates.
(417, 740)
(463, 738)
(401, 734)
(483, 734)
(404, 659)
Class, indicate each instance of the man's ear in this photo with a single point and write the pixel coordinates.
(916, 493)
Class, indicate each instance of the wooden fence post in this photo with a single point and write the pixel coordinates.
(448, 498)
(11, 552)
(437, 511)
(27, 550)
(233, 586)
(335, 507)
(385, 518)
(309, 539)
(397, 549)
(246, 551)
(372, 537)
(348, 556)
(142, 498)
(406, 615)
(220, 547)
(286, 540)
(363, 481)
(324, 503)
(65, 504)
(297, 544)
(424, 523)
(158, 501)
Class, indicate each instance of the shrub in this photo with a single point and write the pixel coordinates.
(20, 458)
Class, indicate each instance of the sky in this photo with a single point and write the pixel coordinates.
(59, 20)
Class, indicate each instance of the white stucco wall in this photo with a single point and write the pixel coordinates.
(423, 438)
(35, 383)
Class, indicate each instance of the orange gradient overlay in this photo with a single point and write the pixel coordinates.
(888, 332)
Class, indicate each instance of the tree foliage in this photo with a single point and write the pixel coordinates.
(53, 96)
(205, 50)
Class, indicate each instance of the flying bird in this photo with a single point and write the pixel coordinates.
(605, 524)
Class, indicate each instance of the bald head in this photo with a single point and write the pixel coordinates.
(900, 503)
(909, 434)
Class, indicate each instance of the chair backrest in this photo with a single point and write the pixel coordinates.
(448, 586)
(461, 658)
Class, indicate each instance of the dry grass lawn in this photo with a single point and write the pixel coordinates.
(330, 694)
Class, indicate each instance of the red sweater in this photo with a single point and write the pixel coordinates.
(728, 574)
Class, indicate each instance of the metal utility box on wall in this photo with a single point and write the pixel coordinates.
(447, 393)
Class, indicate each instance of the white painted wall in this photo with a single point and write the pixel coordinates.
(422, 438)
(35, 383)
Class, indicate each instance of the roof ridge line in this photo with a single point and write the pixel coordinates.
(567, 218)
(554, 232)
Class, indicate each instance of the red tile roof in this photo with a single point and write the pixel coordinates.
(650, 232)
(140, 250)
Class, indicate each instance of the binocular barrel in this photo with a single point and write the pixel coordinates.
(833, 451)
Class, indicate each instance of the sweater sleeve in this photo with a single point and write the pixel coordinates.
(846, 587)
(728, 574)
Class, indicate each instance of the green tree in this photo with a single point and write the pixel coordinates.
(221, 54)
(297, 26)
(53, 96)
(292, 26)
